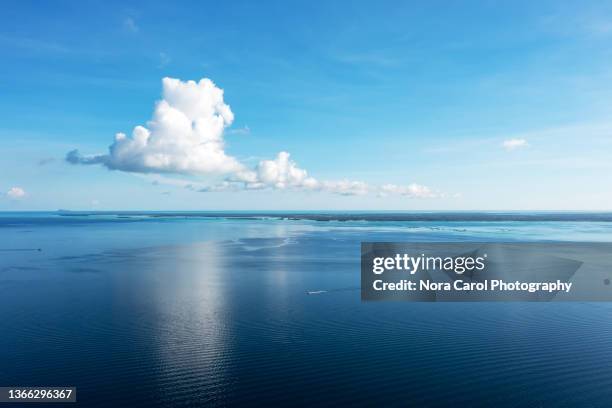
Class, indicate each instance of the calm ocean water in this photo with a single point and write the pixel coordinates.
(191, 309)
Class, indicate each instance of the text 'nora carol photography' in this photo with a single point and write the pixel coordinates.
(486, 271)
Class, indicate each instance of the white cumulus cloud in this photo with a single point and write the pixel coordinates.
(184, 136)
(16, 193)
(283, 173)
(513, 144)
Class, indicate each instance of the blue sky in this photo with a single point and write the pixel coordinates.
(386, 105)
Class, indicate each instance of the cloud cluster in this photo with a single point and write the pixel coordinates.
(513, 144)
(186, 137)
(16, 193)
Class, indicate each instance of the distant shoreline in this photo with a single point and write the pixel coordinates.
(444, 216)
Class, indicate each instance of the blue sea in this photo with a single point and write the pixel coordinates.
(263, 309)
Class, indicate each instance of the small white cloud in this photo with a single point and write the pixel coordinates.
(513, 144)
(130, 25)
(15, 193)
(283, 173)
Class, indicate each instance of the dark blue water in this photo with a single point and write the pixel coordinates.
(141, 310)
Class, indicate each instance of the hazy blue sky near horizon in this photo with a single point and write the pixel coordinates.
(386, 105)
